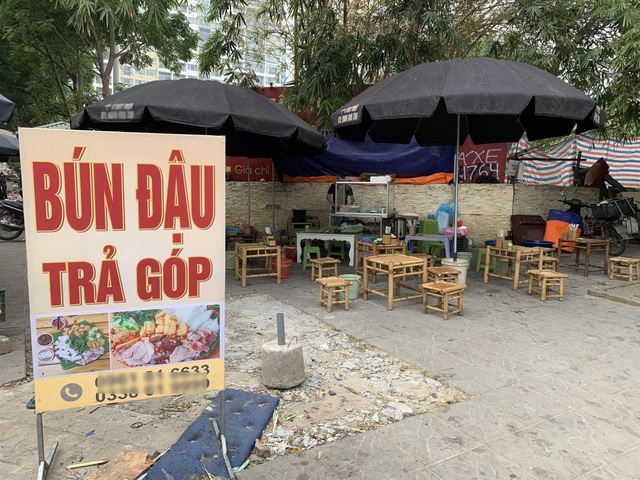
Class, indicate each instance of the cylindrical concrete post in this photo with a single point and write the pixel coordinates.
(282, 365)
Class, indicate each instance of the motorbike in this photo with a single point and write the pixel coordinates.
(615, 220)
(11, 219)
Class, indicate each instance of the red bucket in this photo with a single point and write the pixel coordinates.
(291, 252)
(286, 267)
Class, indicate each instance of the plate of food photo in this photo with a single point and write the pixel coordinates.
(165, 336)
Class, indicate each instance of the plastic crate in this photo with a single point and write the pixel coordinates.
(606, 210)
(625, 205)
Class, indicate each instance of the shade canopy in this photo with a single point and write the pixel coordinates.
(6, 109)
(497, 101)
(253, 125)
(9, 146)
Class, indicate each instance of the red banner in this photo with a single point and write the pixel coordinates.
(479, 160)
(241, 169)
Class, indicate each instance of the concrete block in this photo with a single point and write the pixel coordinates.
(282, 365)
(5, 345)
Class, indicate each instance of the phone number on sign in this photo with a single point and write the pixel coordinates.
(132, 385)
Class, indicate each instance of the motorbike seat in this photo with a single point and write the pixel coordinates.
(12, 203)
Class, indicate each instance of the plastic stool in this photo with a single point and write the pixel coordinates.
(482, 251)
(306, 251)
(437, 249)
(337, 247)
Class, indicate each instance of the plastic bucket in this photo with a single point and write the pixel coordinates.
(459, 264)
(465, 256)
(502, 266)
(230, 260)
(286, 267)
(355, 288)
(291, 252)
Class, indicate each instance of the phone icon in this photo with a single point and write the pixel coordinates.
(71, 392)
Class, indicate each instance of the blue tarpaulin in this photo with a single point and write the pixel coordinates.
(350, 158)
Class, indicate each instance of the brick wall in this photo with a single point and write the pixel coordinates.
(484, 208)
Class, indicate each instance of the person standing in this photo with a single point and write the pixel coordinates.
(349, 199)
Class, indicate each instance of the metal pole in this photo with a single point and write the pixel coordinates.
(280, 328)
(249, 191)
(3, 310)
(455, 193)
(273, 197)
(40, 432)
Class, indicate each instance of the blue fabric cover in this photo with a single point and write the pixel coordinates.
(564, 216)
(350, 158)
(246, 416)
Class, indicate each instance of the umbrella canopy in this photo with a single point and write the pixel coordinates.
(9, 146)
(253, 125)
(492, 101)
(497, 101)
(6, 109)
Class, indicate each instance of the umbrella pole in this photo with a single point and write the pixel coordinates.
(455, 194)
(248, 191)
(273, 198)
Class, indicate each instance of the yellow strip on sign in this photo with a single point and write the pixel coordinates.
(128, 385)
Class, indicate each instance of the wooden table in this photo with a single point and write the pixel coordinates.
(589, 246)
(368, 249)
(350, 238)
(240, 237)
(248, 251)
(397, 267)
(529, 257)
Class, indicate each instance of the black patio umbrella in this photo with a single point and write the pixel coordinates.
(9, 146)
(440, 103)
(253, 125)
(6, 109)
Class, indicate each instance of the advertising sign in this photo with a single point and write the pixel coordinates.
(486, 160)
(242, 169)
(125, 253)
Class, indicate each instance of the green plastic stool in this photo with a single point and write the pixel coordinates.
(437, 249)
(482, 251)
(337, 248)
(306, 251)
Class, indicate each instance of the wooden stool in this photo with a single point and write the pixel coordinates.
(547, 283)
(323, 267)
(624, 267)
(445, 293)
(442, 274)
(333, 290)
(431, 261)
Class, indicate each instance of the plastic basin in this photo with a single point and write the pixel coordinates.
(537, 243)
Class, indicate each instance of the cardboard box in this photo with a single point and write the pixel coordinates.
(501, 243)
(386, 239)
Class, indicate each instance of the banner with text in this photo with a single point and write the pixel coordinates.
(125, 253)
(477, 161)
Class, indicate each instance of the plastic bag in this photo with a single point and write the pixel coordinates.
(444, 214)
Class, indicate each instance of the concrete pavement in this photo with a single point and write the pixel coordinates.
(554, 386)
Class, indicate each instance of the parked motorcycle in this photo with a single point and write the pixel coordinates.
(615, 220)
(11, 219)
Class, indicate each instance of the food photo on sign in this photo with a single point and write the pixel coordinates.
(165, 336)
(72, 344)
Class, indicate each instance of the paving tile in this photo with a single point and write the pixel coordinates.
(431, 438)
(592, 437)
(289, 468)
(417, 353)
(524, 404)
(474, 380)
(629, 463)
(357, 457)
(423, 473)
(481, 463)
(562, 388)
(543, 455)
(480, 420)
(620, 409)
